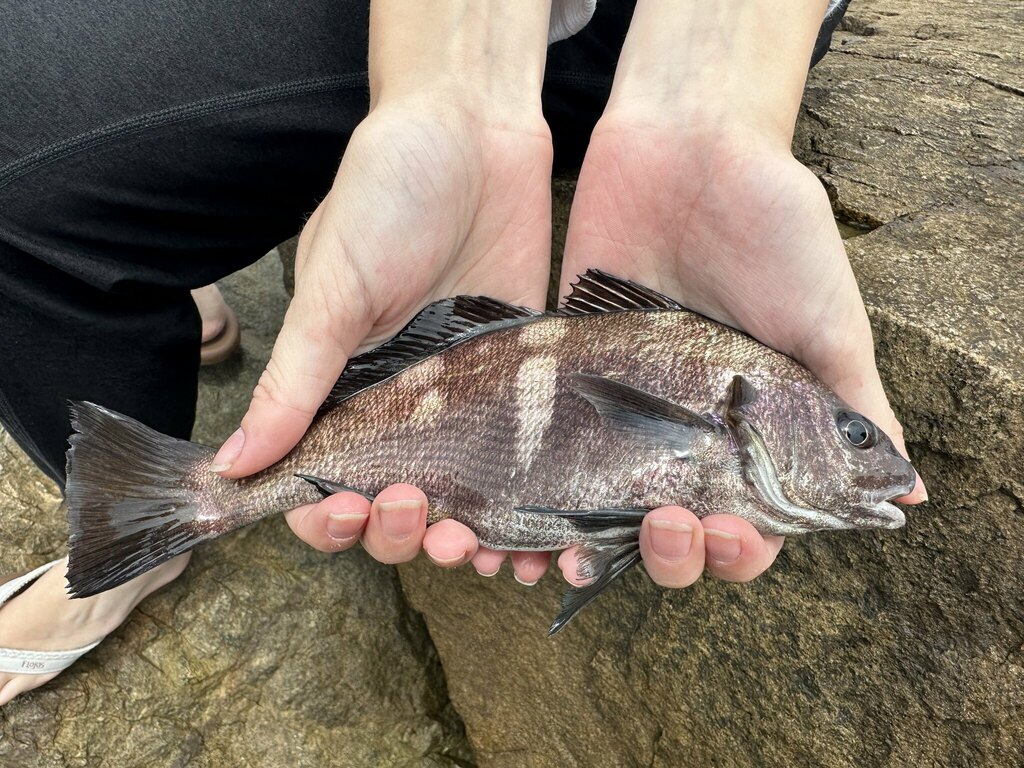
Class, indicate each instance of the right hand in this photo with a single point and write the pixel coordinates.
(430, 201)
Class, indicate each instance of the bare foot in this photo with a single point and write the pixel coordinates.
(212, 309)
(44, 618)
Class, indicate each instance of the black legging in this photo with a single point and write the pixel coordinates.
(150, 148)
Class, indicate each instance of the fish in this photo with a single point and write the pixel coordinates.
(537, 430)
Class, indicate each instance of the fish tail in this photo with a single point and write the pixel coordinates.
(133, 499)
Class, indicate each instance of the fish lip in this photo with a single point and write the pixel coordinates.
(893, 492)
(882, 514)
(902, 490)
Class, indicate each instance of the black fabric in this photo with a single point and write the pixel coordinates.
(150, 148)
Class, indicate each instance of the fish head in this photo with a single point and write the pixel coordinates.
(816, 462)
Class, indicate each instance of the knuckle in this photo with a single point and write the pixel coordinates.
(274, 388)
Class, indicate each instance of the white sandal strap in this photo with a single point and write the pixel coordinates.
(14, 661)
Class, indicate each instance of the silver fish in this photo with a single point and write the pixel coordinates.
(539, 431)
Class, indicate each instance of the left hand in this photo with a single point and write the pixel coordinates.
(689, 187)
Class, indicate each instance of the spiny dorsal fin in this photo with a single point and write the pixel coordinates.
(595, 291)
(437, 327)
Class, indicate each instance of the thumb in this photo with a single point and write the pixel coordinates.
(866, 394)
(325, 322)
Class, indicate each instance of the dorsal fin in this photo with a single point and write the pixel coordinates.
(438, 326)
(595, 291)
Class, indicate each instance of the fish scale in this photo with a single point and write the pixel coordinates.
(538, 431)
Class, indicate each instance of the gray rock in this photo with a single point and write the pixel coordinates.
(264, 653)
(894, 649)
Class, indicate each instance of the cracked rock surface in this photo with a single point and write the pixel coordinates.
(881, 649)
(265, 653)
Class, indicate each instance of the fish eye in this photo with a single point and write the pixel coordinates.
(858, 430)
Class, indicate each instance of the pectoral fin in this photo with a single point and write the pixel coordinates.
(653, 419)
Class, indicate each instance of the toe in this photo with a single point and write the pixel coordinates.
(19, 684)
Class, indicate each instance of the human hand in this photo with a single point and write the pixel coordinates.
(444, 189)
(689, 187)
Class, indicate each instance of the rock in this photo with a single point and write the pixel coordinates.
(264, 653)
(890, 649)
(287, 252)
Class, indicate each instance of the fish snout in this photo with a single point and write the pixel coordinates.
(897, 479)
(876, 510)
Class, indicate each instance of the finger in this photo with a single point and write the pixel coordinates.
(450, 544)
(325, 322)
(334, 524)
(852, 374)
(869, 398)
(917, 496)
(735, 551)
(568, 563)
(672, 545)
(529, 567)
(397, 524)
(488, 561)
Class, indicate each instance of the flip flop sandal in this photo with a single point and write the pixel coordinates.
(223, 345)
(17, 662)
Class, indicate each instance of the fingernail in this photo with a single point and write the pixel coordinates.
(671, 539)
(525, 583)
(228, 452)
(345, 525)
(445, 561)
(399, 519)
(721, 546)
(489, 575)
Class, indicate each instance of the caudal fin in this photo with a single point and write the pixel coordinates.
(130, 504)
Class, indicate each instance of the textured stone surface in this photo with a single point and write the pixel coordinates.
(894, 649)
(264, 653)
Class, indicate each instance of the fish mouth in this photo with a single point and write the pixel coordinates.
(883, 513)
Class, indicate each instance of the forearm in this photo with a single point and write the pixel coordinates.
(728, 65)
(485, 55)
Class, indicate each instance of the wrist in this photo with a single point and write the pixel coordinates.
(738, 68)
(484, 57)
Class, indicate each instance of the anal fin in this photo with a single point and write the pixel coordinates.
(329, 487)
